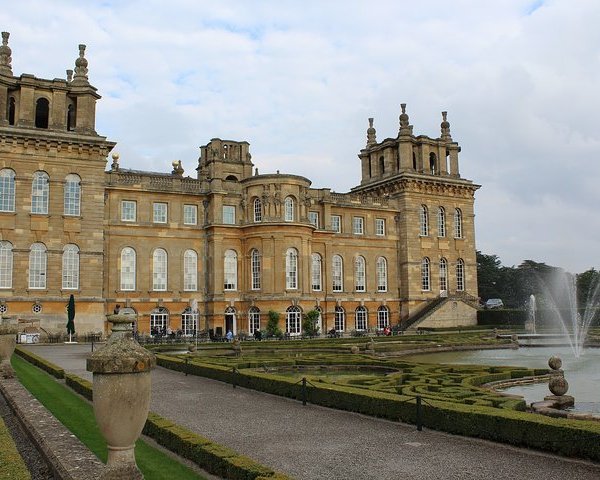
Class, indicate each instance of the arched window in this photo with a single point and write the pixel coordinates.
(361, 318)
(42, 112)
(70, 267)
(414, 161)
(460, 275)
(128, 265)
(257, 210)
(37, 266)
(189, 321)
(6, 264)
(72, 199)
(71, 117)
(359, 274)
(337, 273)
(458, 231)
(339, 319)
(292, 320)
(424, 221)
(443, 275)
(315, 272)
(159, 270)
(289, 209)
(230, 270)
(255, 268)
(11, 111)
(381, 166)
(190, 271)
(441, 217)
(7, 190)
(39, 193)
(432, 163)
(291, 269)
(381, 274)
(383, 317)
(159, 321)
(253, 320)
(425, 279)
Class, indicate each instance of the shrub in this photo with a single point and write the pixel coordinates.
(309, 323)
(502, 318)
(273, 329)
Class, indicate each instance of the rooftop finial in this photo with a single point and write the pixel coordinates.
(371, 134)
(69, 75)
(5, 56)
(445, 126)
(405, 128)
(81, 69)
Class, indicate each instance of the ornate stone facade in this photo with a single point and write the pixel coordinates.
(226, 247)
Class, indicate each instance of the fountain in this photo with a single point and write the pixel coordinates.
(561, 297)
(531, 314)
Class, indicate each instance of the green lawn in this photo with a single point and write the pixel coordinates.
(78, 416)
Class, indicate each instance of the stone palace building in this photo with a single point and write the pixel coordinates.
(221, 249)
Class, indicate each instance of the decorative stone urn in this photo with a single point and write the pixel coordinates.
(8, 341)
(558, 385)
(121, 396)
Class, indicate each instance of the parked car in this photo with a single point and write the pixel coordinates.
(494, 303)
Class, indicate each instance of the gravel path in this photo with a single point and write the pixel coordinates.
(35, 463)
(314, 443)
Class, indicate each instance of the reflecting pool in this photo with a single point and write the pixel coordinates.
(583, 373)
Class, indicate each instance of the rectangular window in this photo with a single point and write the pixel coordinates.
(159, 213)
(313, 218)
(190, 214)
(128, 211)
(336, 223)
(228, 214)
(358, 225)
(380, 227)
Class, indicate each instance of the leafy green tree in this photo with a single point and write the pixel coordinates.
(273, 329)
(309, 323)
(489, 273)
(587, 283)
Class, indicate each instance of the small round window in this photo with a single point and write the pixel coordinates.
(36, 308)
(3, 308)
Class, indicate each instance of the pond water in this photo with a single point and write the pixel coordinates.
(583, 374)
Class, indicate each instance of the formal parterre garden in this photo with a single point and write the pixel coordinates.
(369, 376)
(351, 363)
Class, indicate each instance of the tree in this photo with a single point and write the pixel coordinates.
(273, 329)
(587, 283)
(489, 273)
(309, 323)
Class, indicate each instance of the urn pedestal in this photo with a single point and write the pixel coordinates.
(121, 382)
(8, 342)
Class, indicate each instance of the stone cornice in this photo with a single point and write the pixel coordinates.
(420, 184)
(49, 140)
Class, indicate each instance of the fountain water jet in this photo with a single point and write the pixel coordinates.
(561, 297)
(531, 314)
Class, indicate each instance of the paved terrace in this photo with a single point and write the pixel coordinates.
(313, 443)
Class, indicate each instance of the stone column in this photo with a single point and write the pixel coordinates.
(121, 386)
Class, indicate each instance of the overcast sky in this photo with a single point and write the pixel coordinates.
(298, 80)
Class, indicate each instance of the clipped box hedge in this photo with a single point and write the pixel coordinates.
(40, 362)
(81, 386)
(577, 438)
(213, 458)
